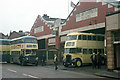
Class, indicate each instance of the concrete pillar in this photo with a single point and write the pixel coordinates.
(58, 44)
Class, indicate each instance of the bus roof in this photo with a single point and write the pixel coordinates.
(81, 33)
(23, 37)
(5, 40)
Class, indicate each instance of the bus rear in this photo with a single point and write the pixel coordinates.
(4, 50)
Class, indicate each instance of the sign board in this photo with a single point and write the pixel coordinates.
(54, 32)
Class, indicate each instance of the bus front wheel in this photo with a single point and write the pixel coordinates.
(22, 63)
(11, 60)
(36, 64)
(66, 65)
(78, 63)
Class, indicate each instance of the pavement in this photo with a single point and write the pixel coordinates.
(103, 72)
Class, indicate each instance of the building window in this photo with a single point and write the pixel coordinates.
(90, 23)
(116, 36)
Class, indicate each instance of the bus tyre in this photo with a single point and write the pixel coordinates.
(78, 63)
(36, 64)
(22, 63)
(8, 61)
(11, 60)
(66, 65)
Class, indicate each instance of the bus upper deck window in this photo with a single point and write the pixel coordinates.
(79, 37)
(94, 38)
(74, 37)
(21, 41)
(89, 37)
(102, 38)
(84, 37)
(99, 38)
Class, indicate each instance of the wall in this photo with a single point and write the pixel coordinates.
(112, 27)
(71, 25)
(113, 22)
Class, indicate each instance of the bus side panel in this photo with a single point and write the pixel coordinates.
(5, 53)
(89, 44)
(86, 58)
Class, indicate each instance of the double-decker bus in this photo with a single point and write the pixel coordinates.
(79, 47)
(24, 50)
(4, 50)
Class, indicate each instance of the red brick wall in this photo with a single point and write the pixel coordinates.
(40, 22)
(72, 24)
(46, 43)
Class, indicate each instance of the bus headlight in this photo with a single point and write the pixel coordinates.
(36, 58)
(26, 58)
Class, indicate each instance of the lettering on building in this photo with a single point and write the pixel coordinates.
(52, 40)
(39, 29)
(90, 13)
(63, 38)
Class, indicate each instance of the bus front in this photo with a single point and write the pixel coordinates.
(71, 51)
(4, 50)
(29, 51)
(80, 46)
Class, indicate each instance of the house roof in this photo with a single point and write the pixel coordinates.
(50, 20)
(3, 36)
(15, 34)
(115, 3)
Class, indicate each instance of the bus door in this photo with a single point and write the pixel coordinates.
(22, 52)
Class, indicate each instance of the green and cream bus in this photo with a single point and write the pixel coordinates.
(79, 47)
(24, 50)
(4, 50)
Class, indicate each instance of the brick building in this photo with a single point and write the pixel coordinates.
(85, 17)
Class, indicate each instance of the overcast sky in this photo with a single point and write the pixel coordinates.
(18, 15)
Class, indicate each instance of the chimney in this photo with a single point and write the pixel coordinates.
(20, 31)
(46, 17)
